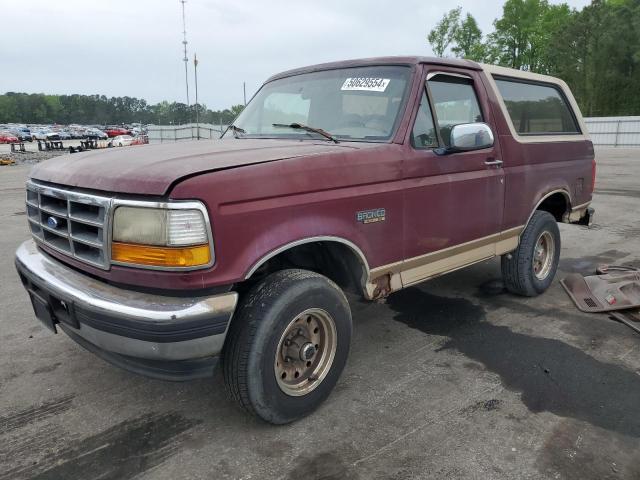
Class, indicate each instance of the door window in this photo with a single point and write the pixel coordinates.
(455, 102)
(423, 134)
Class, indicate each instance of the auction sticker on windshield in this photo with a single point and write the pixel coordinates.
(368, 84)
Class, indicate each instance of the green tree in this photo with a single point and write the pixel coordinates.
(444, 32)
(596, 53)
(101, 110)
(236, 110)
(467, 40)
(596, 50)
(516, 39)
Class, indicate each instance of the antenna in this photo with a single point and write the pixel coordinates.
(195, 73)
(184, 43)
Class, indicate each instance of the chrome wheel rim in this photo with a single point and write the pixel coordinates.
(543, 255)
(305, 352)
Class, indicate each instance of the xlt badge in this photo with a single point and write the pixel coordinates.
(372, 216)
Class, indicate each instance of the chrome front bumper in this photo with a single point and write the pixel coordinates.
(115, 322)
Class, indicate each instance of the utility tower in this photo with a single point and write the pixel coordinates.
(184, 44)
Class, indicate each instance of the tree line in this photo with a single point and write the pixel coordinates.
(39, 108)
(596, 50)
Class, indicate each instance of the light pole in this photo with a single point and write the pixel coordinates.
(185, 59)
(195, 71)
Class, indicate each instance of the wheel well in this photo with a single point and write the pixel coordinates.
(556, 204)
(334, 260)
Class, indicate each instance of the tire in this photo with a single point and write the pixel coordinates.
(523, 271)
(253, 354)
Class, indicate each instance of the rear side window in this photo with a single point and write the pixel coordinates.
(537, 109)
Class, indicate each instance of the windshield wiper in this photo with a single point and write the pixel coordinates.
(307, 128)
(234, 129)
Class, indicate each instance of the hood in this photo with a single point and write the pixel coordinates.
(153, 169)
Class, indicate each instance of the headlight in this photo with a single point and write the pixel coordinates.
(161, 237)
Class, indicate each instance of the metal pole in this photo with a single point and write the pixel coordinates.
(244, 92)
(195, 71)
(184, 43)
(617, 133)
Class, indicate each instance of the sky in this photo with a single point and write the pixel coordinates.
(134, 47)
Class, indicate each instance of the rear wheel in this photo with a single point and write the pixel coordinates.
(287, 345)
(530, 269)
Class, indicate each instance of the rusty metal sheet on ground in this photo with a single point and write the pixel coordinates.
(604, 293)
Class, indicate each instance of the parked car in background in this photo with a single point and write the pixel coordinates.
(8, 137)
(77, 133)
(40, 134)
(24, 135)
(95, 134)
(44, 134)
(64, 135)
(122, 141)
(140, 140)
(115, 131)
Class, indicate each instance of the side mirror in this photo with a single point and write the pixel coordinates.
(471, 136)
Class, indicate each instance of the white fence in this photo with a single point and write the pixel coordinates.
(176, 133)
(614, 131)
(604, 131)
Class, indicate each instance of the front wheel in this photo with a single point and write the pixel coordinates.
(287, 345)
(530, 269)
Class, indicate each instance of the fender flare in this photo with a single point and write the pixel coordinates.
(352, 246)
(564, 191)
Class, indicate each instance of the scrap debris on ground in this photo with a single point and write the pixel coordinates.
(614, 290)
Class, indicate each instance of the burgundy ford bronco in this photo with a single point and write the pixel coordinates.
(366, 176)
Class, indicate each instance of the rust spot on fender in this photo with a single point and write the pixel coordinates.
(382, 287)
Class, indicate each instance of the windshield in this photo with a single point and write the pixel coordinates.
(353, 104)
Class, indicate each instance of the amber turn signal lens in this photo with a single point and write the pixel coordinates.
(160, 256)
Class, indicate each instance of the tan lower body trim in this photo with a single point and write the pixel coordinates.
(414, 270)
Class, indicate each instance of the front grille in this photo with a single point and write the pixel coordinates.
(73, 223)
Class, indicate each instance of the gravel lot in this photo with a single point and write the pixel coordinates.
(452, 379)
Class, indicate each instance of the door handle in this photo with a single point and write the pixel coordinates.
(493, 162)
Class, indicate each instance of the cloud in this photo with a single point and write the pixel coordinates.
(134, 48)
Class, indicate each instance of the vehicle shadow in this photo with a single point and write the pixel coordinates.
(551, 375)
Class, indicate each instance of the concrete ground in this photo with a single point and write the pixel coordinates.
(451, 379)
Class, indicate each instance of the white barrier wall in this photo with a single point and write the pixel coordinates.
(614, 131)
(175, 133)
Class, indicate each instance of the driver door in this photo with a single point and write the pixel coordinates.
(453, 201)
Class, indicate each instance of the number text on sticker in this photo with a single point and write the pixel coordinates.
(368, 84)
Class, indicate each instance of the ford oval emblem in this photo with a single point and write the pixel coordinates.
(52, 222)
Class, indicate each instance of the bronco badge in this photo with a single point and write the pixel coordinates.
(372, 216)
